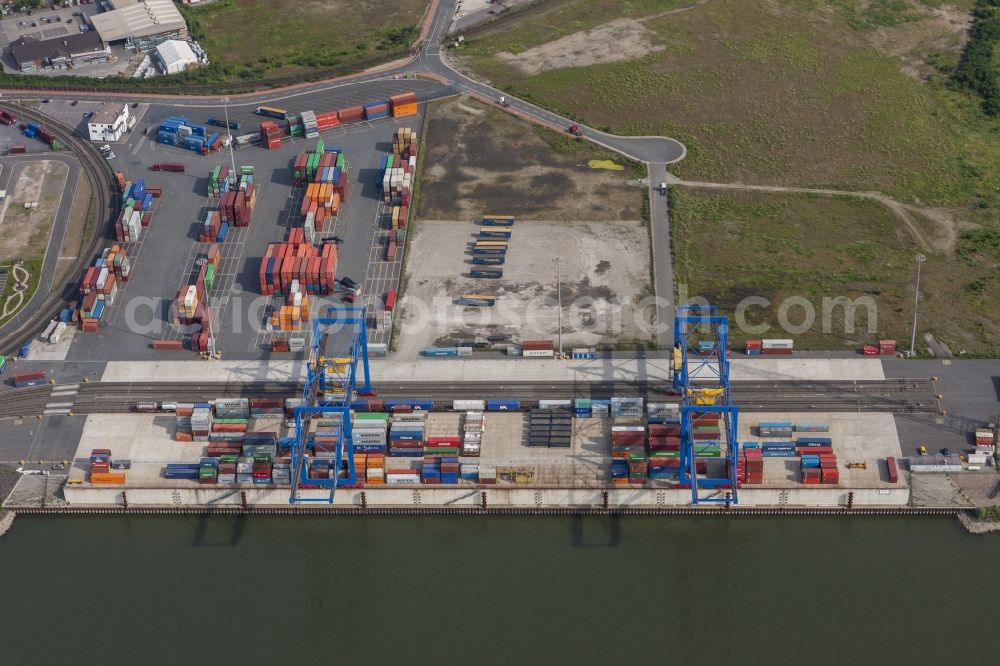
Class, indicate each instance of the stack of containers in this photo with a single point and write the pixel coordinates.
(309, 126)
(99, 286)
(583, 408)
(403, 105)
(177, 131)
(376, 110)
(296, 260)
(264, 407)
(261, 469)
(212, 228)
(236, 206)
(751, 468)
(100, 468)
(281, 473)
(473, 428)
(777, 347)
(270, 134)
(128, 226)
(664, 443)
(397, 173)
(208, 471)
(469, 471)
(219, 181)
(227, 469)
(183, 432)
(201, 422)
(406, 435)
(294, 127)
(629, 408)
(753, 348)
(628, 440)
(294, 313)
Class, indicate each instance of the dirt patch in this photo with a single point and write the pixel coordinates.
(938, 29)
(494, 162)
(25, 232)
(604, 277)
(617, 41)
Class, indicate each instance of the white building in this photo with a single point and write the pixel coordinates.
(175, 56)
(109, 123)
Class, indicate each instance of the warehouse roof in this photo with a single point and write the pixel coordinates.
(107, 114)
(31, 49)
(174, 50)
(135, 18)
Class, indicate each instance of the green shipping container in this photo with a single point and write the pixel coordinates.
(371, 416)
(209, 276)
(341, 162)
(320, 146)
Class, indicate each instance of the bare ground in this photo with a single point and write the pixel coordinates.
(26, 232)
(481, 160)
(617, 41)
(604, 272)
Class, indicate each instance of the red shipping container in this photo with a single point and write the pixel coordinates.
(893, 471)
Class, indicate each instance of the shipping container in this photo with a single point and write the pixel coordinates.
(26, 379)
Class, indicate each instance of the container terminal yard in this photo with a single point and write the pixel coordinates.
(227, 344)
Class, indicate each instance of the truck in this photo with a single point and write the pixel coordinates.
(233, 125)
(169, 166)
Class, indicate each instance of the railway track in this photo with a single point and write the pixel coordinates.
(904, 396)
(105, 190)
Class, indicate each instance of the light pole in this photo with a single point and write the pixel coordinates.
(916, 301)
(232, 157)
(558, 261)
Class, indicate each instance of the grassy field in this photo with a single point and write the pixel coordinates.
(254, 38)
(731, 246)
(846, 94)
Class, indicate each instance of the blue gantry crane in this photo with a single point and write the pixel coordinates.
(331, 386)
(701, 375)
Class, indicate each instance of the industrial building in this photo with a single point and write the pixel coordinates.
(109, 123)
(174, 56)
(65, 52)
(141, 23)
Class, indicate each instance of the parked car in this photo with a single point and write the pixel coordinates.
(74, 102)
(109, 156)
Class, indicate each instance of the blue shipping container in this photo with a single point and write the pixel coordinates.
(502, 405)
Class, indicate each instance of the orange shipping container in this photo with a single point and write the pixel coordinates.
(107, 478)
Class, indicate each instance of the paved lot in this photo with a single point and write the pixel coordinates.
(167, 251)
(971, 390)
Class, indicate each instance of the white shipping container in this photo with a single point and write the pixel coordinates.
(549, 404)
(468, 405)
(777, 344)
(48, 331)
(58, 333)
(537, 353)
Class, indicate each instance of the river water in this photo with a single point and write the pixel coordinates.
(473, 590)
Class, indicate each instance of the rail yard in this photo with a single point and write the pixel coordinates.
(264, 319)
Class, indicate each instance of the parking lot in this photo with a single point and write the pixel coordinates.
(166, 254)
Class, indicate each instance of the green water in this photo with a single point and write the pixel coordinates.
(466, 590)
